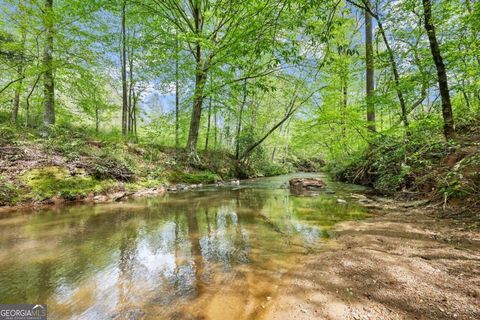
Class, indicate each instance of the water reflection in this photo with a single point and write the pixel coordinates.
(213, 255)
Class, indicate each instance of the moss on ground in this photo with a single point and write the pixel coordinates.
(52, 181)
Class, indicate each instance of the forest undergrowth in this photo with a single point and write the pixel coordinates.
(421, 164)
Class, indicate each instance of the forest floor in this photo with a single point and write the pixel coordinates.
(401, 263)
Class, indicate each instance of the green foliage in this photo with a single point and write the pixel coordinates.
(394, 162)
(7, 134)
(268, 168)
(306, 164)
(157, 174)
(463, 179)
(8, 192)
(68, 141)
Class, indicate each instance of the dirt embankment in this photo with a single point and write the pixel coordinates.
(402, 264)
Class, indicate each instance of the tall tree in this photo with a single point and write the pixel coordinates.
(200, 77)
(393, 64)
(370, 69)
(177, 90)
(123, 61)
(49, 84)
(448, 123)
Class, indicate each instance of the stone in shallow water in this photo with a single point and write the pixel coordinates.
(306, 183)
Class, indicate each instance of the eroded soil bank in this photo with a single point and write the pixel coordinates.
(398, 264)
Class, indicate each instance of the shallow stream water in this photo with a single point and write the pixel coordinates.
(214, 253)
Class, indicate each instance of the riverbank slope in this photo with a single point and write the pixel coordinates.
(422, 165)
(75, 165)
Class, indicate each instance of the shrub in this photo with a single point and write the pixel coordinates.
(7, 134)
(8, 192)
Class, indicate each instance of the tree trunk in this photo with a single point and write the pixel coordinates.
(396, 75)
(215, 128)
(448, 123)
(200, 79)
(239, 124)
(370, 70)
(123, 58)
(49, 85)
(18, 88)
(134, 114)
(27, 101)
(131, 87)
(97, 119)
(344, 109)
(177, 93)
(208, 122)
(20, 73)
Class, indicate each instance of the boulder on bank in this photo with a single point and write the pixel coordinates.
(306, 184)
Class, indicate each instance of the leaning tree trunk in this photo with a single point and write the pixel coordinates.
(49, 85)
(448, 124)
(370, 70)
